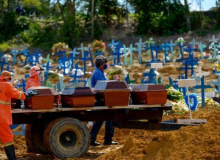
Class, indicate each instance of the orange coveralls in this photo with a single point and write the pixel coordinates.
(7, 91)
(33, 81)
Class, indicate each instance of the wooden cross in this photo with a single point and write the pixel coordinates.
(22, 85)
(113, 44)
(166, 47)
(82, 49)
(131, 49)
(73, 57)
(201, 48)
(140, 49)
(14, 52)
(171, 46)
(125, 55)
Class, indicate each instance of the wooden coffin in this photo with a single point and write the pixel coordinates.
(47, 98)
(15, 103)
(77, 97)
(112, 93)
(148, 94)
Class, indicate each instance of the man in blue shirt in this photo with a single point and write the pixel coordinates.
(98, 74)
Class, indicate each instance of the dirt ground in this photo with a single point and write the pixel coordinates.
(198, 142)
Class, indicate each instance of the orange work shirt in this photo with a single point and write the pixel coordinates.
(7, 91)
(33, 81)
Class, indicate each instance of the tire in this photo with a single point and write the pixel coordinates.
(67, 138)
(34, 138)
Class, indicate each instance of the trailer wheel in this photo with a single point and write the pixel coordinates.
(34, 137)
(67, 138)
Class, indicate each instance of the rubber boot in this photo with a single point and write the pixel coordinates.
(10, 152)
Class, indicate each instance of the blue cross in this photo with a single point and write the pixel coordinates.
(155, 48)
(4, 62)
(113, 44)
(166, 47)
(60, 53)
(14, 52)
(89, 53)
(84, 59)
(125, 55)
(131, 49)
(29, 59)
(171, 46)
(63, 65)
(1, 54)
(151, 77)
(22, 85)
(217, 83)
(181, 53)
(194, 43)
(202, 87)
(140, 49)
(25, 51)
(36, 55)
(128, 81)
(215, 49)
(75, 76)
(48, 67)
(201, 48)
(98, 53)
(82, 49)
(117, 54)
(73, 56)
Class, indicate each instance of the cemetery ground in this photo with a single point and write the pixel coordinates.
(197, 142)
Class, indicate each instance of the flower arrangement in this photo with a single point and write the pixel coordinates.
(61, 46)
(97, 45)
(116, 72)
(216, 66)
(173, 94)
(54, 77)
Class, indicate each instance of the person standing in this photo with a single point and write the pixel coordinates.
(34, 79)
(7, 91)
(98, 74)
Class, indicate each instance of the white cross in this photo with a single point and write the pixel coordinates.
(200, 74)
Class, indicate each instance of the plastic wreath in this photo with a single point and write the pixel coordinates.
(61, 46)
(97, 45)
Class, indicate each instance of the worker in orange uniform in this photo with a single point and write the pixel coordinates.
(34, 80)
(7, 91)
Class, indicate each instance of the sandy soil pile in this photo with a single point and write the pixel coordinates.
(192, 142)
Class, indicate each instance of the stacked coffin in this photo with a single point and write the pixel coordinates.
(105, 93)
(47, 98)
(148, 94)
(112, 93)
(77, 97)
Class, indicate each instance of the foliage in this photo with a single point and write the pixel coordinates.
(174, 95)
(97, 45)
(159, 17)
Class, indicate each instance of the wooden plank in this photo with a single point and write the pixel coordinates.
(167, 106)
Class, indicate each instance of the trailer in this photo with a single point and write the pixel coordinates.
(60, 131)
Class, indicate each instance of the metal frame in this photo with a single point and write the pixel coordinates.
(122, 116)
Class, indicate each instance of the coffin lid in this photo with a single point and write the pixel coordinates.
(77, 91)
(43, 91)
(111, 85)
(147, 87)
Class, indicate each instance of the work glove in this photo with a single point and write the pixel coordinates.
(31, 94)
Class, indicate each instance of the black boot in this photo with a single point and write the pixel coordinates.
(10, 152)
